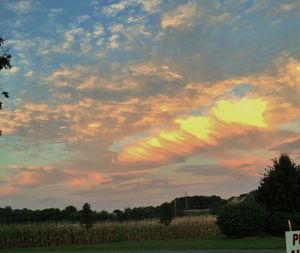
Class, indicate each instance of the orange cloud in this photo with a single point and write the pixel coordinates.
(166, 120)
(273, 100)
(150, 69)
(27, 178)
(182, 17)
(7, 190)
(97, 177)
(77, 182)
(252, 168)
(197, 131)
(200, 126)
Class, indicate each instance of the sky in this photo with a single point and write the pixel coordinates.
(129, 103)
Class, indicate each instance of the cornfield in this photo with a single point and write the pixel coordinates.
(55, 234)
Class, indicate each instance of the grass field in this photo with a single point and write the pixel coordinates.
(218, 242)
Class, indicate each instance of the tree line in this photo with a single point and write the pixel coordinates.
(72, 214)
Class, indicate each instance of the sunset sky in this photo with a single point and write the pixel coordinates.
(135, 102)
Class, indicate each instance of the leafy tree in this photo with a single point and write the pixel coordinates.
(87, 216)
(69, 213)
(103, 216)
(5, 59)
(166, 213)
(279, 189)
(6, 215)
(118, 214)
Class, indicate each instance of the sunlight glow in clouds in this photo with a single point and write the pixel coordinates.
(196, 131)
(246, 111)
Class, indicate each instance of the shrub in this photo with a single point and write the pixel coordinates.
(277, 223)
(241, 220)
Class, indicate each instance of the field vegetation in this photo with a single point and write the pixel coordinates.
(56, 234)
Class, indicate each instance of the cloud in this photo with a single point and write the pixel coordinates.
(227, 168)
(129, 175)
(138, 186)
(184, 16)
(290, 145)
(7, 190)
(286, 7)
(13, 71)
(40, 176)
(35, 176)
(83, 18)
(76, 39)
(150, 5)
(192, 133)
(85, 78)
(98, 30)
(30, 177)
(21, 7)
(54, 12)
(203, 170)
(174, 117)
(150, 69)
(246, 111)
(128, 35)
(115, 8)
(228, 117)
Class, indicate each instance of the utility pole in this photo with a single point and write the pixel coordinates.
(175, 208)
(185, 202)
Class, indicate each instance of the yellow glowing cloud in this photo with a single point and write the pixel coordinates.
(143, 151)
(245, 111)
(94, 125)
(197, 131)
(172, 136)
(200, 127)
(154, 142)
(191, 132)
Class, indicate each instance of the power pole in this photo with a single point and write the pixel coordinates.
(175, 208)
(186, 207)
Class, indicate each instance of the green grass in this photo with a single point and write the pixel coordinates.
(183, 244)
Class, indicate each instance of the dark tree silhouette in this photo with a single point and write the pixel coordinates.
(69, 213)
(87, 216)
(5, 59)
(279, 189)
(166, 213)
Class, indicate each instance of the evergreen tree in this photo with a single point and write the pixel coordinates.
(279, 189)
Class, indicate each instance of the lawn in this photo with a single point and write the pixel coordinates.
(219, 242)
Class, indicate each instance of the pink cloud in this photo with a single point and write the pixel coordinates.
(7, 190)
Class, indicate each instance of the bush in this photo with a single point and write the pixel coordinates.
(241, 220)
(277, 223)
